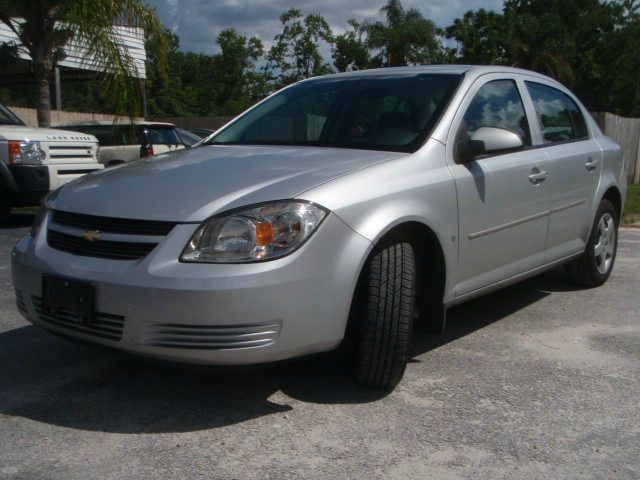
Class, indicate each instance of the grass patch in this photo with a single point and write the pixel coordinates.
(632, 207)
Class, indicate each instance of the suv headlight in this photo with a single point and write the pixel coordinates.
(26, 151)
(263, 232)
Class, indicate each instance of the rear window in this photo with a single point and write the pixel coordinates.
(159, 135)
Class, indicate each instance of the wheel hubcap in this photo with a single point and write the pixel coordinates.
(604, 248)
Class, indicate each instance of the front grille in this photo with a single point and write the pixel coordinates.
(68, 232)
(62, 152)
(112, 225)
(20, 301)
(104, 325)
(212, 337)
(98, 248)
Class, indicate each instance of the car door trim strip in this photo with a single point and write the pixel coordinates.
(520, 221)
(568, 205)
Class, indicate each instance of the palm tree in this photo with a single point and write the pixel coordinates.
(44, 27)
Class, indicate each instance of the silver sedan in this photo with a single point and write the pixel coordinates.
(354, 205)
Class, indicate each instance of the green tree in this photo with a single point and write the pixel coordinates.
(350, 51)
(295, 54)
(168, 95)
(238, 85)
(405, 37)
(482, 37)
(48, 25)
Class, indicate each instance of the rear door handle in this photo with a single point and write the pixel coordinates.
(538, 176)
(591, 165)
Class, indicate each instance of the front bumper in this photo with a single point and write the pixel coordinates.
(32, 182)
(35, 181)
(213, 314)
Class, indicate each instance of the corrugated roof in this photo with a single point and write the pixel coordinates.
(131, 38)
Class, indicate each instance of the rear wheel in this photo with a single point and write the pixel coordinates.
(594, 266)
(386, 323)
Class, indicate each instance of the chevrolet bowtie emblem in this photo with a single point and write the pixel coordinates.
(92, 235)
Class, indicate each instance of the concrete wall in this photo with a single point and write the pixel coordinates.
(28, 116)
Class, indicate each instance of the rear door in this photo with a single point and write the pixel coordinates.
(502, 200)
(574, 168)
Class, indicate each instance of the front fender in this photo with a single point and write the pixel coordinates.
(416, 188)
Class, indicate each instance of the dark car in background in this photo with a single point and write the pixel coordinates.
(201, 132)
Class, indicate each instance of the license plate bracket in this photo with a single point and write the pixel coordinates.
(72, 298)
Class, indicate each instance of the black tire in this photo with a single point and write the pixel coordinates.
(386, 323)
(584, 270)
(5, 207)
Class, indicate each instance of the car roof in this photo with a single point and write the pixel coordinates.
(475, 70)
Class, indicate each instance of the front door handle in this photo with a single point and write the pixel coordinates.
(591, 165)
(538, 176)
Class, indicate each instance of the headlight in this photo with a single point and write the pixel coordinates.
(264, 232)
(38, 220)
(27, 151)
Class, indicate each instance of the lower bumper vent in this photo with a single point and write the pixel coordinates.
(104, 325)
(212, 337)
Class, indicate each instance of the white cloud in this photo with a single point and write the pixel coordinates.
(198, 22)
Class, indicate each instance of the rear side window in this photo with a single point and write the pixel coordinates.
(101, 132)
(497, 104)
(162, 135)
(559, 117)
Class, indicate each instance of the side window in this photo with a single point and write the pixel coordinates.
(497, 104)
(559, 117)
(101, 132)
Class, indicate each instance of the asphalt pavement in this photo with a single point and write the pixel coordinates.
(539, 380)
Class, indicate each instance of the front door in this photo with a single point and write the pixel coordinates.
(503, 200)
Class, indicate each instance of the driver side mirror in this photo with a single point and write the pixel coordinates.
(487, 140)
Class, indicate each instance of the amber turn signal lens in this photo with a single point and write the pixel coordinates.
(14, 152)
(264, 234)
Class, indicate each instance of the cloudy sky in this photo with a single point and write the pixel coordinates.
(198, 22)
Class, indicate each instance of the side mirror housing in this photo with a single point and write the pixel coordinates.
(487, 140)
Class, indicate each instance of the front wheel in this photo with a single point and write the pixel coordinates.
(386, 326)
(594, 266)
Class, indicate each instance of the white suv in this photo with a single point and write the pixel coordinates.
(34, 161)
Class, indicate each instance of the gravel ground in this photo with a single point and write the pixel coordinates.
(540, 380)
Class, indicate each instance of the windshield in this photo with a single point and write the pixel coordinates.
(378, 112)
(7, 117)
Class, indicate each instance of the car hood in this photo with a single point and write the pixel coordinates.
(19, 132)
(193, 184)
